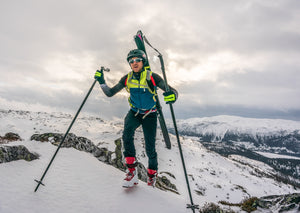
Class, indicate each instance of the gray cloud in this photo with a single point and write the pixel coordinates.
(247, 51)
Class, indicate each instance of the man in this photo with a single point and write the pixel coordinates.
(141, 84)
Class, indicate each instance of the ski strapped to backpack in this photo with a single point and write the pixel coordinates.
(192, 206)
(139, 41)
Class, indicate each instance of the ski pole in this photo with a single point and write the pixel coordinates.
(192, 205)
(86, 97)
(163, 125)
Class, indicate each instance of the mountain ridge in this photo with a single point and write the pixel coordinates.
(272, 135)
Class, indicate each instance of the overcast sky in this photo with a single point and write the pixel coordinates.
(235, 57)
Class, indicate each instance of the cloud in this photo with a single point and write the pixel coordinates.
(235, 53)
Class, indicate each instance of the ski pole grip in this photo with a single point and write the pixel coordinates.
(105, 69)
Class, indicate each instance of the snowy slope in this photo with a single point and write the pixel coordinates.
(77, 181)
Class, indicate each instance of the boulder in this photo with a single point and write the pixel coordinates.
(282, 203)
(79, 143)
(13, 153)
(10, 136)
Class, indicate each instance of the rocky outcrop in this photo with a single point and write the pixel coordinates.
(280, 203)
(273, 203)
(104, 155)
(165, 184)
(10, 136)
(13, 153)
(118, 160)
(79, 143)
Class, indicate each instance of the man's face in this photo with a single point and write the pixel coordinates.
(136, 64)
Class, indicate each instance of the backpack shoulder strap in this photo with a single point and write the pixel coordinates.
(152, 80)
(152, 85)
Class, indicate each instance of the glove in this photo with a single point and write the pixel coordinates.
(99, 76)
(169, 97)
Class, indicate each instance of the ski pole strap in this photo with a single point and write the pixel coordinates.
(146, 40)
(162, 64)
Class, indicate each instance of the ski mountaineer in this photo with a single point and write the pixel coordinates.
(141, 83)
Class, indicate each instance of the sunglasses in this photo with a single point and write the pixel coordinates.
(135, 60)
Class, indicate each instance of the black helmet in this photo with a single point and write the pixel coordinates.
(137, 53)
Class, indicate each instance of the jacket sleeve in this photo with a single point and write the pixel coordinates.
(161, 84)
(109, 92)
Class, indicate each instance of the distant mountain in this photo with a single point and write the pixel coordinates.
(248, 137)
(269, 135)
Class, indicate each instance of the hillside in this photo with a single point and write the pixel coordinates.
(78, 182)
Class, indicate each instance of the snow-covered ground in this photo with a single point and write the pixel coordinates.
(78, 182)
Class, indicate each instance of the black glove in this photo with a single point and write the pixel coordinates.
(99, 76)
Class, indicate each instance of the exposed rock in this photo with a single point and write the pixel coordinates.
(273, 203)
(10, 136)
(280, 203)
(165, 184)
(168, 173)
(118, 160)
(79, 143)
(213, 208)
(142, 172)
(47, 137)
(12, 153)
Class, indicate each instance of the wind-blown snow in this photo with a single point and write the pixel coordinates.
(78, 182)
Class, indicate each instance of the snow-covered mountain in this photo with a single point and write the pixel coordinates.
(272, 135)
(252, 138)
(78, 182)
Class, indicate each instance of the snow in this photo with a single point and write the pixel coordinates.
(78, 182)
(219, 125)
(272, 155)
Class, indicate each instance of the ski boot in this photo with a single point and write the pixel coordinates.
(131, 178)
(152, 174)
